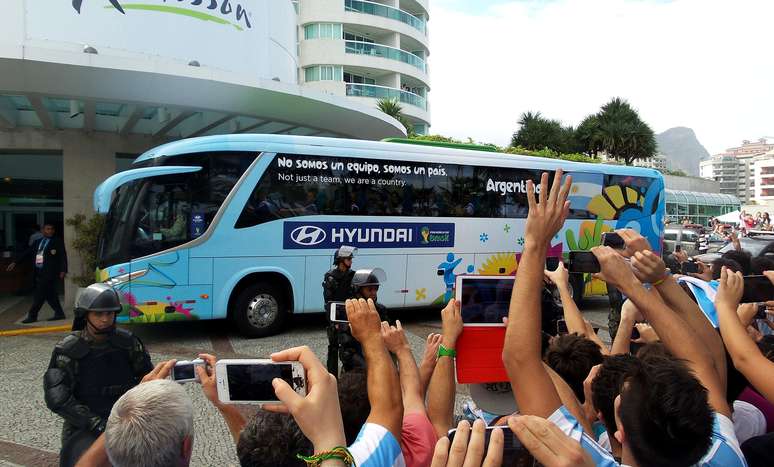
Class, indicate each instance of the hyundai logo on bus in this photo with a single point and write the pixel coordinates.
(320, 235)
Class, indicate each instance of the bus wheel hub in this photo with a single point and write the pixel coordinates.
(262, 310)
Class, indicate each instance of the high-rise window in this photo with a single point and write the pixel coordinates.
(323, 31)
(324, 73)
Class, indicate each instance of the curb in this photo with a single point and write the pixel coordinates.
(40, 330)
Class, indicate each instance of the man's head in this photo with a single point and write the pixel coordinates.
(272, 440)
(717, 266)
(572, 357)
(343, 257)
(366, 282)
(353, 398)
(151, 425)
(662, 414)
(98, 304)
(48, 230)
(370, 291)
(607, 385)
(742, 257)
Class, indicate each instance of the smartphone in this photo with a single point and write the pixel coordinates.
(338, 313)
(552, 263)
(561, 327)
(248, 381)
(761, 313)
(185, 371)
(514, 453)
(687, 267)
(484, 300)
(583, 261)
(613, 240)
(757, 289)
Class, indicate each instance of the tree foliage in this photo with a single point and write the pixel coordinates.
(616, 130)
(393, 108)
(87, 232)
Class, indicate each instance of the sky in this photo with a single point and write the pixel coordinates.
(702, 64)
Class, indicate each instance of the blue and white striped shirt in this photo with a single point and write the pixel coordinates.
(375, 446)
(570, 426)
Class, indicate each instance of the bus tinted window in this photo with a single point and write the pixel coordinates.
(169, 210)
(299, 185)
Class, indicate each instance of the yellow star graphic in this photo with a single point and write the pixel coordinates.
(421, 294)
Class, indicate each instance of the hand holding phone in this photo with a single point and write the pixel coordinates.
(757, 289)
(318, 413)
(548, 443)
(501, 446)
(689, 267)
(185, 371)
(250, 381)
(338, 313)
(583, 261)
(613, 240)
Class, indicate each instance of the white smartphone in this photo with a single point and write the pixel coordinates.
(248, 381)
(338, 313)
(484, 300)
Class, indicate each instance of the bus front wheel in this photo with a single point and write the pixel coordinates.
(260, 310)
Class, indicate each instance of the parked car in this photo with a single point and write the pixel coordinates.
(753, 244)
(692, 239)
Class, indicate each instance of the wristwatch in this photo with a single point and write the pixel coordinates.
(444, 352)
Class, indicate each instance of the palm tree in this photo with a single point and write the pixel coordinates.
(619, 131)
(393, 108)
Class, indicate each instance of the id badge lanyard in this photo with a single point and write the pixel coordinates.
(41, 252)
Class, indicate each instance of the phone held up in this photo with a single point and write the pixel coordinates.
(613, 240)
(338, 313)
(249, 381)
(561, 327)
(583, 261)
(184, 371)
(757, 289)
(687, 267)
(514, 453)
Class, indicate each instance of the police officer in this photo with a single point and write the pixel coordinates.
(50, 266)
(365, 285)
(337, 287)
(90, 369)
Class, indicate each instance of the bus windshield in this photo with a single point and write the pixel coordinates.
(157, 213)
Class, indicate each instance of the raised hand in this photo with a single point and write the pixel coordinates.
(634, 242)
(547, 443)
(648, 267)
(615, 269)
(730, 289)
(547, 215)
(451, 323)
(364, 320)
(160, 371)
(559, 277)
(469, 454)
(394, 337)
(318, 414)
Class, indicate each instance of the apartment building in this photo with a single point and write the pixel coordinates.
(367, 51)
(735, 168)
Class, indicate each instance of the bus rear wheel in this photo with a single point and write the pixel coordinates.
(260, 310)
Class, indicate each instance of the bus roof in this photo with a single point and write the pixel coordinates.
(313, 145)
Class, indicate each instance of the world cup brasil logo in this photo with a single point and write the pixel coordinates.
(425, 232)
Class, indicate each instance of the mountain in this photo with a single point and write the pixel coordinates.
(682, 150)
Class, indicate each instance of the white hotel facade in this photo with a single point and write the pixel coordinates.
(366, 51)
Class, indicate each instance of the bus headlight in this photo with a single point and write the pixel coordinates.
(118, 280)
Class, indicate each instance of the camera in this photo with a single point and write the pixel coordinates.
(185, 371)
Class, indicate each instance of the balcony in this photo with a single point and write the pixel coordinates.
(384, 92)
(391, 53)
(385, 11)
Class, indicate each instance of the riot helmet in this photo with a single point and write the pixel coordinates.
(97, 297)
(368, 278)
(344, 252)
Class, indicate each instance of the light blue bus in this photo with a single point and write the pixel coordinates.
(245, 226)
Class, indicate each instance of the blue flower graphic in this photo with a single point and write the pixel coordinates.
(483, 237)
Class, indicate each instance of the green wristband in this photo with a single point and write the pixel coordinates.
(444, 352)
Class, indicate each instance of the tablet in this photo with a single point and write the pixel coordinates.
(484, 300)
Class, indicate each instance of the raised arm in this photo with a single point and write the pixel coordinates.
(679, 338)
(747, 358)
(532, 387)
(443, 387)
(396, 342)
(231, 415)
(623, 337)
(384, 391)
(649, 267)
(572, 315)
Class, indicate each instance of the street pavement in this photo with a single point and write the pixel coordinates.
(30, 433)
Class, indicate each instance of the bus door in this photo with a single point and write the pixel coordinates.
(164, 285)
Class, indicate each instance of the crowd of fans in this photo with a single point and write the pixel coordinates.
(694, 385)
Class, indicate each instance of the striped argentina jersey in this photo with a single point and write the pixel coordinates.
(569, 425)
(375, 446)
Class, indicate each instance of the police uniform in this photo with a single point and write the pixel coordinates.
(337, 287)
(86, 377)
